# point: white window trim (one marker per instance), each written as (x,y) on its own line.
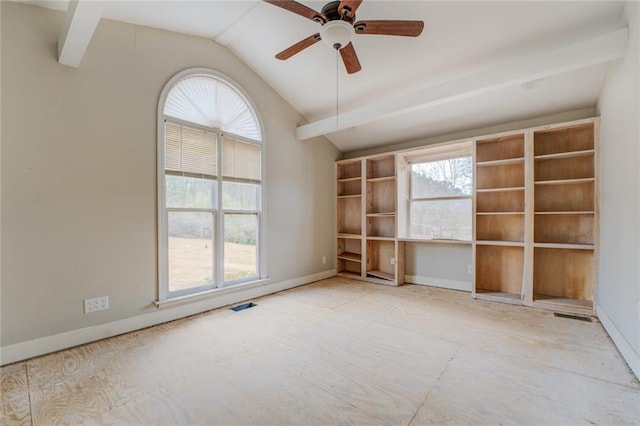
(163,294)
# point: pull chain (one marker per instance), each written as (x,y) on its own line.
(337,72)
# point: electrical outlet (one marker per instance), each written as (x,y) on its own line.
(324,260)
(392,260)
(96,304)
(470,269)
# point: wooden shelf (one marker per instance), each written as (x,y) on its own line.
(565,181)
(382,179)
(377,238)
(349,236)
(435,241)
(353,257)
(389,214)
(513,188)
(351,179)
(496,296)
(563,304)
(380,274)
(545,298)
(500,243)
(498,213)
(350,196)
(567,212)
(568,154)
(505,162)
(565,246)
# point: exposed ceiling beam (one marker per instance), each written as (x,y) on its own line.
(586,53)
(82,19)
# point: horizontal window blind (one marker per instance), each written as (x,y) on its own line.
(190,151)
(461,149)
(241,161)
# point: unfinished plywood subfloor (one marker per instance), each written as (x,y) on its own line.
(337,351)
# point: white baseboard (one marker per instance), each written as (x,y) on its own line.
(56,342)
(631,356)
(438,282)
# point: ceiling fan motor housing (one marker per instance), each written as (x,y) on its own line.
(330,11)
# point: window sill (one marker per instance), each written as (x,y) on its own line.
(418,240)
(209,293)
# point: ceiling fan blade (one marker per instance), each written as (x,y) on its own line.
(351,5)
(397,28)
(350,59)
(298,47)
(298,8)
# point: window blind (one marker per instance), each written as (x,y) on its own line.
(241,161)
(190,151)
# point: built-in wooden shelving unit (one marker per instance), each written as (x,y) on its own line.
(367,244)
(565,217)
(499,218)
(536,217)
(349,220)
(535,212)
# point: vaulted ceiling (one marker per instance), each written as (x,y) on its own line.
(475,64)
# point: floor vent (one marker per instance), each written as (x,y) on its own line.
(575,317)
(243,306)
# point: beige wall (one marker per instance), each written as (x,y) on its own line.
(619,106)
(79,178)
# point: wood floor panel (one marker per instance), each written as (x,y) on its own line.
(337,351)
(15,395)
(502,390)
(529,334)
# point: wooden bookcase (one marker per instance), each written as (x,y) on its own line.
(499,218)
(349,246)
(565,217)
(535,211)
(535,207)
(367,245)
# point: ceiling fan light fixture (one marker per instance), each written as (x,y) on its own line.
(337,34)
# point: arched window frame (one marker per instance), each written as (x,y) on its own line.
(162,211)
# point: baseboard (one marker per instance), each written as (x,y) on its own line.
(632,358)
(438,282)
(56,342)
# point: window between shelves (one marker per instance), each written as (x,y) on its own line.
(438,186)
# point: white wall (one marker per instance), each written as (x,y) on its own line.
(619,107)
(78,179)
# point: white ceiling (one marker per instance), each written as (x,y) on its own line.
(459,38)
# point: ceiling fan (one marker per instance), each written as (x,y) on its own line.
(338,20)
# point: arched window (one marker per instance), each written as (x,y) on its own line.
(210,193)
